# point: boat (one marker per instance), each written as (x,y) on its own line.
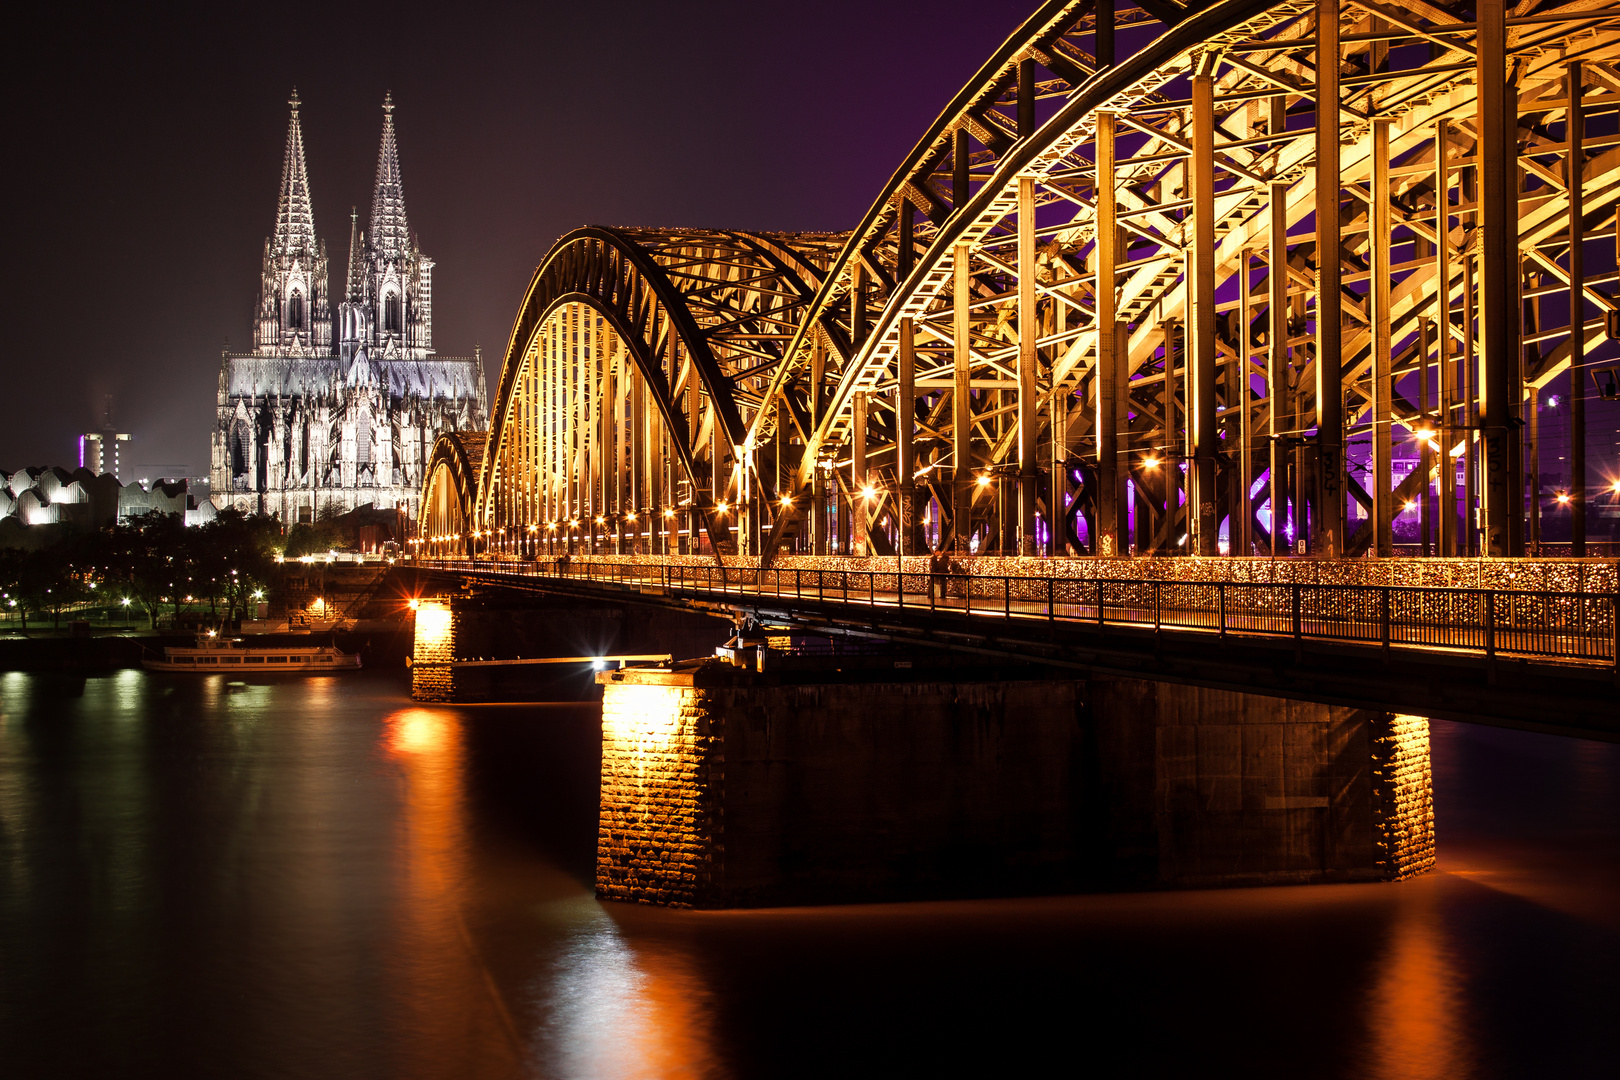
(216,655)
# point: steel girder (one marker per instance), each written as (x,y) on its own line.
(634,368)
(445,523)
(1004,325)
(1213,134)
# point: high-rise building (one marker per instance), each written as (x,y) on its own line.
(336,409)
(100,451)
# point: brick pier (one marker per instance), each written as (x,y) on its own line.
(724,788)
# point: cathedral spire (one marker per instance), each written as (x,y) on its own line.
(357,266)
(295,220)
(389,232)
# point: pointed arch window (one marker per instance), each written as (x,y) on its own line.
(295,311)
(391,313)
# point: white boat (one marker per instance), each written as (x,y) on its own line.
(217,655)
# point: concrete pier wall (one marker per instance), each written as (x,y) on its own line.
(723,788)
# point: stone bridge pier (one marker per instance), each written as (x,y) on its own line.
(726,787)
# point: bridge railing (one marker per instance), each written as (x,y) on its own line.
(1553,625)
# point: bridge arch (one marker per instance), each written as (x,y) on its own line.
(971,288)
(629,384)
(446,524)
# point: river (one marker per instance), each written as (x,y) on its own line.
(316,877)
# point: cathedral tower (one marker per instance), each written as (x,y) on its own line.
(294,314)
(398,277)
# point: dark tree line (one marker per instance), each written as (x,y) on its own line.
(153,560)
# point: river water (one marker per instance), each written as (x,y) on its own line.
(318,878)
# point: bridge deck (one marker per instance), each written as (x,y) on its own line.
(1563,626)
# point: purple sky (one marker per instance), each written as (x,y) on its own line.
(146,153)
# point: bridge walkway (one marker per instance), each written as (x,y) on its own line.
(1578,628)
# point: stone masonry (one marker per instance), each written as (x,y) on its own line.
(722,788)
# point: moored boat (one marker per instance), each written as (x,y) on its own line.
(216,655)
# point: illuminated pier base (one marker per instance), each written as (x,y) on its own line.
(724,788)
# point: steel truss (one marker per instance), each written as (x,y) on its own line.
(635,368)
(1007,344)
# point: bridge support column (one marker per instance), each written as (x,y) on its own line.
(722,788)
(435,643)
(1499,396)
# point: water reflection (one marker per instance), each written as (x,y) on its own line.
(1414,1020)
(620,1012)
(316,878)
(447,987)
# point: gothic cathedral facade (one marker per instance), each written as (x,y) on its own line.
(338,404)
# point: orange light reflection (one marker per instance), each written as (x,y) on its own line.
(1416,1014)
(626,1011)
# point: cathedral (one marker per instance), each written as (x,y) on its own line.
(339,403)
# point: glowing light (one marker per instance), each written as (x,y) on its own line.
(432,626)
(868,492)
(720,506)
(258,594)
(1150,462)
(124,601)
(630,516)
(1552,402)
(599,519)
(1423,433)
(1408,505)
(213,633)
(983,481)
(1563,496)
(669,513)
(787,500)
(418,731)
(415,604)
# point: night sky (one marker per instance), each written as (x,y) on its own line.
(146,148)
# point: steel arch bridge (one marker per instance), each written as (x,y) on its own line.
(1086,312)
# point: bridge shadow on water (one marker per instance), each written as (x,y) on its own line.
(532,777)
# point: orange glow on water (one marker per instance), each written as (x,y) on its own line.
(1415,1018)
(441,964)
(418,731)
(637,1010)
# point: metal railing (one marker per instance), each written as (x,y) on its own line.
(1552,625)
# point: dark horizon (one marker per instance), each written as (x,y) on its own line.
(150,151)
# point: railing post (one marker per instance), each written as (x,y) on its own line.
(1051,608)
(1220,589)
(1490,625)
(1383,593)
(1614,641)
(1100,623)
(1006,597)
(1299,630)
(1155,607)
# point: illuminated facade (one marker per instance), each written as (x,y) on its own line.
(340,400)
